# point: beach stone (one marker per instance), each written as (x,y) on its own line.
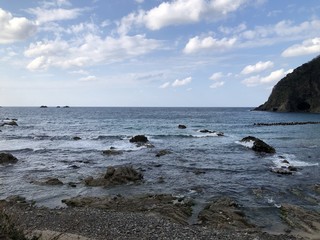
(181,126)
(116,176)
(7,158)
(259,145)
(139,139)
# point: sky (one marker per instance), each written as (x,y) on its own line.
(174,53)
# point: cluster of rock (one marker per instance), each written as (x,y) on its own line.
(116,176)
(220,134)
(285,168)
(9,122)
(284,123)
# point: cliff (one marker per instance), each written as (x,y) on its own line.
(299,91)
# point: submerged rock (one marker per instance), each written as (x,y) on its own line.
(259,145)
(162,153)
(111,152)
(7,158)
(116,176)
(53,182)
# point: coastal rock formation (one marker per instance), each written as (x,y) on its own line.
(139,139)
(6,158)
(116,176)
(258,145)
(299,91)
(178,209)
(223,213)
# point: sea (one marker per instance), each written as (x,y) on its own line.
(201,166)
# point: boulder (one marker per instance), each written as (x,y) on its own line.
(181,126)
(6,158)
(259,145)
(139,139)
(116,176)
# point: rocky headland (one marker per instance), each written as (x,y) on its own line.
(299,91)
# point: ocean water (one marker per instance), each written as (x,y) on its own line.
(201,165)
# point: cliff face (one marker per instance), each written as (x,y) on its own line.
(299,91)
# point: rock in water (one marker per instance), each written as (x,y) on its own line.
(139,139)
(259,145)
(6,158)
(299,91)
(180,126)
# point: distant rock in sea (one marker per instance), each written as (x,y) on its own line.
(299,91)
(43,106)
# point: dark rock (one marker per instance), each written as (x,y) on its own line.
(116,176)
(53,182)
(162,153)
(76,138)
(72,184)
(10,123)
(180,126)
(285,161)
(292,168)
(259,145)
(139,139)
(6,158)
(299,91)
(111,152)
(43,106)
(66,107)
(206,131)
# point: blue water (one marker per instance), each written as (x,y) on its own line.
(43,143)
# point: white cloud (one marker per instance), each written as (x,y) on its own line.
(89,50)
(14,29)
(179,12)
(182,82)
(217,84)
(197,44)
(216,76)
(57,14)
(271,78)
(258,67)
(309,46)
(165,85)
(88,78)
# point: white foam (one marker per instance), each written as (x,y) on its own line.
(281,161)
(248,144)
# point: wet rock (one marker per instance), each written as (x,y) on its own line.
(43,106)
(259,145)
(72,184)
(206,131)
(53,182)
(76,138)
(181,126)
(7,158)
(116,176)
(139,139)
(112,152)
(223,213)
(300,220)
(9,123)
(162,153)
(178,209)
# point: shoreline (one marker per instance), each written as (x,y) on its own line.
(123,218)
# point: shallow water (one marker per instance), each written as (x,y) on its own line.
(43,143)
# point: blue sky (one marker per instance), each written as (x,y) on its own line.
(206,53)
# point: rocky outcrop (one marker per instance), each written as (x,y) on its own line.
(220,134)
(223,213)
(115,176)
(299,91)
(259,145)
(139,139)
(178,209)
(181,126)
(7,158)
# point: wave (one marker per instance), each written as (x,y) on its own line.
(248,144)
(287,160)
